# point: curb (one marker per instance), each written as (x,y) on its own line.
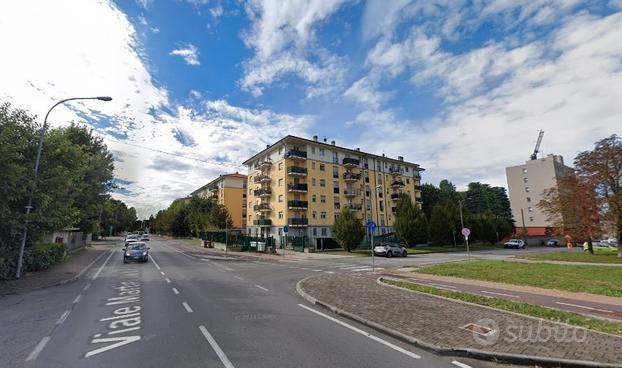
(458,352)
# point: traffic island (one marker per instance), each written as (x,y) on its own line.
(455,328)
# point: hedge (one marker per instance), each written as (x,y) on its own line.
(36,258)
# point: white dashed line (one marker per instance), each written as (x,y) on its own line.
(63,317)
(175,291)
(261,287)
(33,355)
(317,270)
(99,270)
(221,354)
(461,365)
(585,307)
(188,309)
(87,286)
(330,272)
(163,274)
(168,281)
(500,294)
(154,262)
(357,330)
(238,277)
(77,299)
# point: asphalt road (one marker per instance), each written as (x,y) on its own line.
(179,310)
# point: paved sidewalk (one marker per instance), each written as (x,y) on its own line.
(439,323)
(70,269)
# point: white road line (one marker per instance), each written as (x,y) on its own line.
(168,281)
(317,270)
(154,262)
(500,294)
(461,365)
(63,317)
(238,277)
(175,291)
(304,268)
(87,286)
(163,274)
(221,354)
(329,271)
(180,252)
(77,299)
(33,355)
(357,330)
(585,307)
(261,287)
(99,270)
(188,309)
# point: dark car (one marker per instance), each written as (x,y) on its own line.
(390,250)
(136,251)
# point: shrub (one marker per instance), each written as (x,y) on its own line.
(36,258)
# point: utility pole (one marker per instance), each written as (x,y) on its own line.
(522,215)
(226,236)
(461,220)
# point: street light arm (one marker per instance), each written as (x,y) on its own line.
(101,98)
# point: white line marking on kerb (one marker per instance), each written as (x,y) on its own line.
(357,330)
(102,266)
(442,285)
(261,287)
(461,365)
(168,280)
(63,317)
(33,355)
(154,262)
(175,291)
(500,294)
(77,299)
(188,309)
(221,354)
(585,307)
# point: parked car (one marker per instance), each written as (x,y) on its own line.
(515,243)
(390,250)
(144,237)
(553,243)
(136,251)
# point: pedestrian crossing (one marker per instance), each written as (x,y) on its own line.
(322,266)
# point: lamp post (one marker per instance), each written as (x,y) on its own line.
(36,174)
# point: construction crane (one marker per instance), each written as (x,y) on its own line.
(534,155)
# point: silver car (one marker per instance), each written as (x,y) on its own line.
(390,250)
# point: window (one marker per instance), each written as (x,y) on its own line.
(526,180)
(313,181)
(313,150)
(378,167)
(280,231)
(313,198)
(313,165)
(335,172)
(336,215)
(323,215)
(322,199)
(365,163)
(368,203)
(313,214)
(280,151)
(379,179)
(527,189)
(280,198)
(528,199)
(322,167)
(335,157)
(321,151)
(315,231)
(531,218)
(381,206)
(322,182)
(367,177)
(336,187)
(280,182)
(324,231)
(336,201)
(280,214)
(407,181)
(406,168)
(280,166)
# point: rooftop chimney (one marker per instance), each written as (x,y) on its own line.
(332,142)
(401,158)
(324,139)
(358,149)
(267,146)
(315,138)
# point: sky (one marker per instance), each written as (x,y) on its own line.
(198,86)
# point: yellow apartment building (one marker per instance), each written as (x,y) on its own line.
(230,191)
(305,183)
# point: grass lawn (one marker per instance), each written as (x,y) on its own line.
(601,255)
(590,279)
(522,308)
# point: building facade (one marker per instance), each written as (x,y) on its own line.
(526,184)
(305,183)
(229,190)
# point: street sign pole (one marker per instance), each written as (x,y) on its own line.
(466,232)
(371,226)
(285,230)
(468,252)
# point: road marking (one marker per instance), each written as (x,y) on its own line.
(500,294)
(317,270)
(63,317)
(168,281)
(163,274)
(188,309)
(87,286)
(461,365)
(367,269)
(330,271)
(175,291)
(154,262)
(304,268)
(238,277)
(585,307)
(261,287)
(102,266)
(33,355)
(221,354)
(442,285)
(357,330)
(77,299)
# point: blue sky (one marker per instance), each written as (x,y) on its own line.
(461,87)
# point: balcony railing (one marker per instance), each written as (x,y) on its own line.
(261,178)
(262,222)
(353,206)
(418,200)
(350,176)
(397,184)
(297,170)
(263,164)
(393,209)
(263,207)
(298,221)
(350,192)
(396,196)
(418,187)
(349,161)
(417,175)
(295,204)
(293,153)
(264,192)
(395,170)
(297,187)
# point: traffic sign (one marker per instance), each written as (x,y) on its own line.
(466,232)
(371,225)
(285,229)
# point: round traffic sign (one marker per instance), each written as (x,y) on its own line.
(466,232)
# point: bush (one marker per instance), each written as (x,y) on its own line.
(36,258)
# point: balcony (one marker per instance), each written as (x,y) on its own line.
(297,171)
(418,200)
(417,175)
(298,154)
(262,178)
(353,206)
(418,187)
(263,207)
(395,170)
(351,162)
(262,222)
(264,192)
(350,193)
(350,177)
(297,205)
(396,196)
(393,209)
(297,188)
(397,184)
(263,164)
(298,222)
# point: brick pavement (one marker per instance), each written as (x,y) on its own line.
(439,321)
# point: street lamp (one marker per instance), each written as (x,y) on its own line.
(36,173)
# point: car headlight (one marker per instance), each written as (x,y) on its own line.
(144,253)
(127,254)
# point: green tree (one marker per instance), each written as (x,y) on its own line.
(445,221)
(430,196)
(410,225)
(348,230)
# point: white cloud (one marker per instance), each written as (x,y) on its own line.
(365,92)
(217,11)
(189,53)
